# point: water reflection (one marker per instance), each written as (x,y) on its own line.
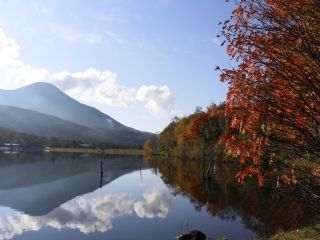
(157,203)
(93,212)
(27,182)
(81,197)
(69,192)
(85,214)
(262,210)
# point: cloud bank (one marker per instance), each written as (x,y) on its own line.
(91,86)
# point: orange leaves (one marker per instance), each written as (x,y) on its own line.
(276,82)
(300,121)
(230,49)
(198,125)
(251,171)
(290,180)
(316,172)
(223,77)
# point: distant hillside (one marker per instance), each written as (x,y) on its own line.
(47,98)
(32,122)
(32,142)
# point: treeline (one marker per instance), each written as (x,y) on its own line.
(35,142)
(193,136)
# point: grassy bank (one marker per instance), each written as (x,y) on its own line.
(97,151)
(307,233)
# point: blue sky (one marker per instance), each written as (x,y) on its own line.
(140,61)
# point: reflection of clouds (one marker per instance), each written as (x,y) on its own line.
(16,224)
(157,203)
(90,213)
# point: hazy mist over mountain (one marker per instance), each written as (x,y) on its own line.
(47,98)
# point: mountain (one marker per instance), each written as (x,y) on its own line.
(32,122)
(43,109)
(47,98)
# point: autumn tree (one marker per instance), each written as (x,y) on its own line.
(207,127)
(151,145)
(274,90)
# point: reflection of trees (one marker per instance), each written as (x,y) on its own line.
(263,210)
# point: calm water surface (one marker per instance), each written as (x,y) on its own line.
(86,197)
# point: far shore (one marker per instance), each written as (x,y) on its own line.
(138,152)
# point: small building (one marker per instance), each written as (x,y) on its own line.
(86,145)
(13,147)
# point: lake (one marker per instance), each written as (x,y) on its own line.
(65,196)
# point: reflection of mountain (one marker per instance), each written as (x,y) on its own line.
(43,185)
(89,213)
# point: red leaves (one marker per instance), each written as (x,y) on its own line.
(230,49)
(276,83)
(251,171)
(223,77)
(197,127)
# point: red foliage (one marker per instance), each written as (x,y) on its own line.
(197,129)
(274,92)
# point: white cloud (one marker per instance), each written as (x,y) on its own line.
(158,100)
(73,35)
(157,203)
(70,34)
(95,86)
(114,15)
(117,15)
(44,8)
(90,86)
(216,41)
(93,38)
(15,72)
(115,36)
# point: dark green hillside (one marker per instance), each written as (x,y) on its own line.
(32,122)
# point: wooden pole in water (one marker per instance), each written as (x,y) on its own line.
(101,173)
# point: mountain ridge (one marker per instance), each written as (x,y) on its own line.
(47,98)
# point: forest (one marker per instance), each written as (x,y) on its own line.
(269,125)
(31,142)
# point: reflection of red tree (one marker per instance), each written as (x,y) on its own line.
(213,209)
(224,197)
(190,183)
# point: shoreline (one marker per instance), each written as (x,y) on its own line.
(137,152)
